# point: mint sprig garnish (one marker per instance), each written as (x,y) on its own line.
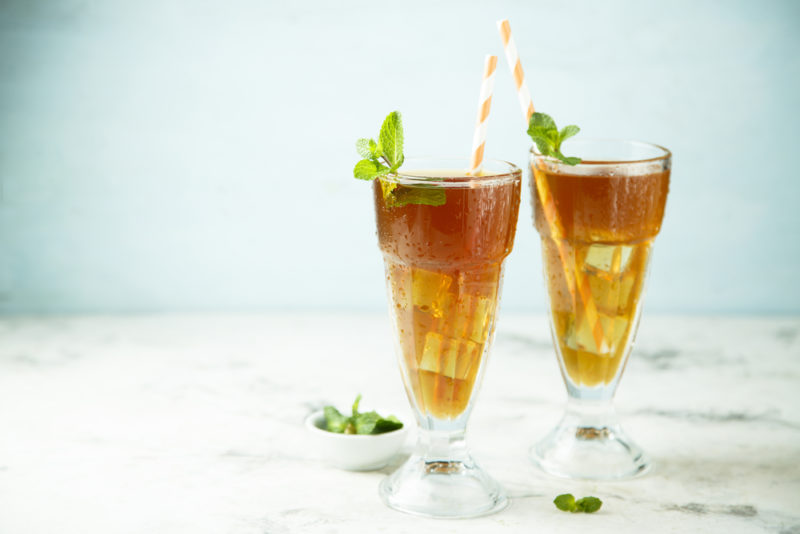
(359,423)
(544,132)
(385,156)
(567,503)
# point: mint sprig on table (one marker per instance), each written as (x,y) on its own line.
(385,156)
(544,132)
(567,503)
(359,423)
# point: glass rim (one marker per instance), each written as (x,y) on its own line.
(666,154)
(509,171)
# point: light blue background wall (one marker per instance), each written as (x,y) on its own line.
(197,155)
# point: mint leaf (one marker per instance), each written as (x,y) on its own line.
(391,138)
(565,502)
(372,423)
(363,148)
(542,121)
(568,131)
(588,504)
(544,144)
(543,131)
(427,195)
(396,166)
(355,405)
(368,169)
(365,422)
(359,423)
(335,421)
(387,425)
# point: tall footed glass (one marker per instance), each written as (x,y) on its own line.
(597,221)
(444,236)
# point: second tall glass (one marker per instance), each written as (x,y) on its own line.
(444,236)
(598,221)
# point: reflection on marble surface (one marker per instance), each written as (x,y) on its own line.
(194,424)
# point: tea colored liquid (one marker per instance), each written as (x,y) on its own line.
(609,224)
(443,268)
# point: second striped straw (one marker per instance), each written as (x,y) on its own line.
(578,286)
(515,65)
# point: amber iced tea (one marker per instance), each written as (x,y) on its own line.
(608,221)
(444,269)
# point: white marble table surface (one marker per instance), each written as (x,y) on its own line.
(193,424)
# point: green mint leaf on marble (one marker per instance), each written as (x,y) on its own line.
(358,422)
(588,505)
(565,502)
(544,132)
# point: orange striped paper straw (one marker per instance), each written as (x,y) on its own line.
(515,65)
(583,291)
(484,105)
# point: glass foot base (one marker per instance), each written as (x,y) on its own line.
(590,453)
(442,489)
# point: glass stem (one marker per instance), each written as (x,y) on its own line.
(440,446)
(593,418)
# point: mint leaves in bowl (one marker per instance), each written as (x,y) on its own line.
(361,441)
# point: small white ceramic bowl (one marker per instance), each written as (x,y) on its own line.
(354,452)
